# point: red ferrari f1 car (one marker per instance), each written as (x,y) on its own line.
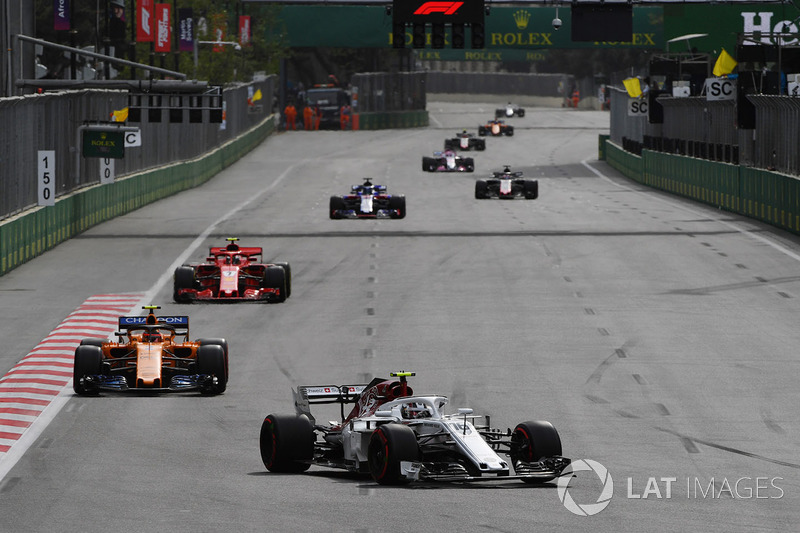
(496,128)
(148,357)
(398,437)
(232,274)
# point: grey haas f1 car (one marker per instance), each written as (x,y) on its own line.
(509,111)
(507,185)
(465,141)
(447,161)
(368,201)
(399,437)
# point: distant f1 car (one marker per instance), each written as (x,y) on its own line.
(447,161)
(232,274)
(496,128)
(507,184)
(368,201)
(509,111)
(399,437)
(465,141)
(147,357)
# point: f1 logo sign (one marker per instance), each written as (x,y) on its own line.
(431,11)
(445,8)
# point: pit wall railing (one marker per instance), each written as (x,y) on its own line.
(699,153)
(176,163)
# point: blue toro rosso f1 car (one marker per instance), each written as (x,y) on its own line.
(368,201)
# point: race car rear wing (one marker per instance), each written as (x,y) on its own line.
(243,250)
(180,323)
(305,395)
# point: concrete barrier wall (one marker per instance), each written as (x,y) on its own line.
(393,119)
(759,194)
(37,230)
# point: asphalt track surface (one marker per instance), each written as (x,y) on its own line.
(659,336)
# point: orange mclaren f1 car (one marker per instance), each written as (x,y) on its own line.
(148,357)
(233,274)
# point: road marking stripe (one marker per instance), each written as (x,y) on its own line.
(40,384)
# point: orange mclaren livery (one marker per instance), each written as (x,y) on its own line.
(152,353)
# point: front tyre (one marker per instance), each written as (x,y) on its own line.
(183,279)
(288,269)
(337,205)
(531,189)
(398,204)
(211,362)
(275,278)
(88,362)
(389,445)
(532,441)
(520,112)
(481,189)
(286,442)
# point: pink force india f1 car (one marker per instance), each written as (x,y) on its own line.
(233,274)
(399,437)
(447,161)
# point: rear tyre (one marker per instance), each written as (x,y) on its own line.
(481,188)
(88,362)
(211,362)
(336,204)
(482,131)
(275,278)
(288,269)
(531,441)
(531,189)
(388,446)
(183,279)
(510,132)
(398,203)
(480,144)
(499,113)
(286,442)
(449,144)
(520,112)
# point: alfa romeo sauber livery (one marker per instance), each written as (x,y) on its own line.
(368,201)
(465,141)
(496,128)
(507,185)
(148,356)
(398,437)
(233,273)
(447,161)
(509,111)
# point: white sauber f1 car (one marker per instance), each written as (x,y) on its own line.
(509,111)
(399,437)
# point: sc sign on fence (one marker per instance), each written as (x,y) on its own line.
(720,89)
(637,107)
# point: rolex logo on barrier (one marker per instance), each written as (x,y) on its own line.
(521,18)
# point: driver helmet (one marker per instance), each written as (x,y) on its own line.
(152,336)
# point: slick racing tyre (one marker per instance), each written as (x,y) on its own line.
(93,342)
(275,278)
(286,443)
(532,441)
(388,446)
(509,131)
(337,204)
(88,362)
(480,144)
(520,112)
(469,164)
(211,362)
(217,342)
(183,279)
(450,144)
(428,164)
(531,189)
(499,113)
(482,131)
(288,269)
(481,189)
(398,203)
